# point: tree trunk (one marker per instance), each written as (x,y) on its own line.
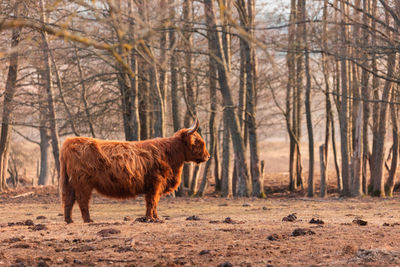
(356,183)
(211,125)
(143,82)
(134,81)
(55,140)
(247,22)
(380,121)
(335,158)
(324,149)
(323,168)
(365,96)
(44,171)
(226,176)
(158,103)
(189,77)
(378,146)
(389,186)
(290,91)
(8,106)
(307,101)
(343,115)
(223,79)
(298,91)
(174,75)
(84,92)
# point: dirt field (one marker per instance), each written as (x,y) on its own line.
(255,234)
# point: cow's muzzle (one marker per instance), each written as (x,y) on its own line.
(204,159)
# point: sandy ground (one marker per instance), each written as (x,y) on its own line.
(255,234)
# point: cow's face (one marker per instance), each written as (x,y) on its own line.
(197,151)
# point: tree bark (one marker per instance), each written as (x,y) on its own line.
(323,168)
(226,177)
(389,186)
(174,75)
(324,149)
(84,92)
(134,81)
(8,106)
(378,146)
(365,96)
(307,100)
(379,133)
(223,79)
(55,140)
(211,124)
(343,115)
(290,88)
(247,20)
(356,185)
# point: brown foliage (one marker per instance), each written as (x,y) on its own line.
(126,169)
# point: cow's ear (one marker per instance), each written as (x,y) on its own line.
(186,137)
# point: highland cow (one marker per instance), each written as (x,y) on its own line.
(126,169)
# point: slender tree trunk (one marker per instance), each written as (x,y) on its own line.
(343,115)
(84,92)
(189,77)
(55,140)
(8,106)
(389,186)
(247,20)
(307,101)
(290,91)
(375,92)
(328,109)
(223,79)
(356,185)
(378,146)
(158,103)
(44,171)
(211,125)
(174,75)
(335,158)
(143,82)
(298,91)
(226,177)
(134,81)
(365,96)
(174,82)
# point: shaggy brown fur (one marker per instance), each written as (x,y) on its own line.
(126,169)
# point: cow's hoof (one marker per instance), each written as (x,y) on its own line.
(69,221)
(88,221)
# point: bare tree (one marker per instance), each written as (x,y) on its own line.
(8,107)
(223,79)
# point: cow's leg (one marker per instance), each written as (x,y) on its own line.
(156,199)
(151,205)
(69,198)
(83,197)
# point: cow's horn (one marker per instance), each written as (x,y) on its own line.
(195,127)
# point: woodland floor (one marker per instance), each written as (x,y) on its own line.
(255,234)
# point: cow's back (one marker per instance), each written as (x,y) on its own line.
(114,168)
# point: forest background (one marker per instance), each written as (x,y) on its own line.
(323,76)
